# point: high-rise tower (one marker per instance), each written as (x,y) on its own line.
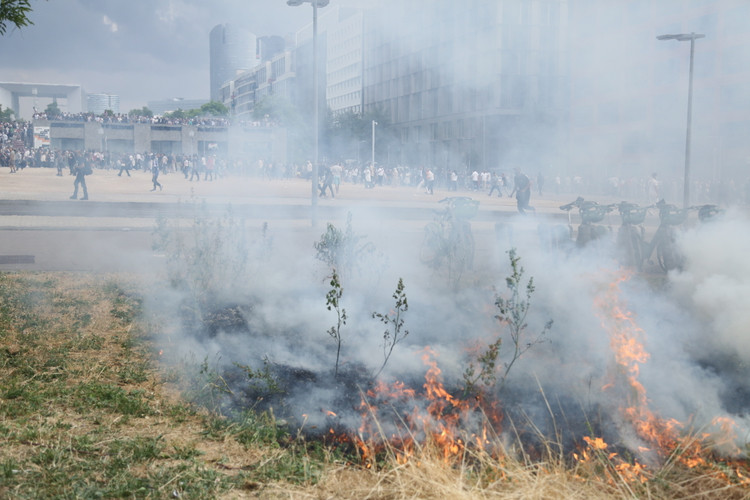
(232,50)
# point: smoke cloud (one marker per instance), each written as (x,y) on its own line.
(690,324)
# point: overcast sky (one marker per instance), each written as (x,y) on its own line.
(141,50)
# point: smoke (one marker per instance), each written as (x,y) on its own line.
(690,324)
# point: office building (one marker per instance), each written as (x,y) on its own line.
(232,51)
(99,103)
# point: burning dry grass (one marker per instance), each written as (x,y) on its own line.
(85,413)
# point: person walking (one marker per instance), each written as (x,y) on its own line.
(327,182)
(429,178)
(81,170)
(495,186)
(194,166)
(155,172)
(125,165)
(522,190)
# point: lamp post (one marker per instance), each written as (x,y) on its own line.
(684,37)
(316,125)
(373,143)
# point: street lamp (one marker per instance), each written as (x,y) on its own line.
(373,142)
(316,126)
(684,37)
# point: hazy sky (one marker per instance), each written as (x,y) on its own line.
(141,50)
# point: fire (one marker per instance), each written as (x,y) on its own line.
(433,416)
(662,436)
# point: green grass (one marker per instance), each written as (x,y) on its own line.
(81,411)
(86,411)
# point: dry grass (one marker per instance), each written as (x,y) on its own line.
(84,412)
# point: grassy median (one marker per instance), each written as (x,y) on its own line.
(87,411)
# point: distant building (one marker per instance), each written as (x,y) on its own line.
(170,105)
(232,51)
(99,103)
(22,98)
(478,85)
(268,47)
(227,141)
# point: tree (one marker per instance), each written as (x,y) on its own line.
(280,110)
(52,109)
(349,134)
(214,108)
(14,12)
(6,115)
(144,111)
(178,114)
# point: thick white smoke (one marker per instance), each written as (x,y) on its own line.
(691,324)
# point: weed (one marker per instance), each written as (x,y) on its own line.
(207,388)
(512,312)
(345,251)
(262,380)
(333,302)
(254,428)
(134,372)
(393,320)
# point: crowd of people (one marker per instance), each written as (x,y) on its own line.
(17,153)
(117,118)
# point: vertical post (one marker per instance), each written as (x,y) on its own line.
(373,143)
(314,180)
(686,194)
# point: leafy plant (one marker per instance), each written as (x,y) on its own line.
(393,320)
(333,302)
(210,262)
(512,312)
(15,12)
(262,379)
(344,250)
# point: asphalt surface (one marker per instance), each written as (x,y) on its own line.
(112,231)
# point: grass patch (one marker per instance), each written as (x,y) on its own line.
(86,412)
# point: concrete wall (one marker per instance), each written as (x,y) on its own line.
(268,143)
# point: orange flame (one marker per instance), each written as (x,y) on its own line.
(662,435)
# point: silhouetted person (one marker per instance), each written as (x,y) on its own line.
(327,182)
(522,190)
(80,171)
(155,172)
(124,166)
(496,186)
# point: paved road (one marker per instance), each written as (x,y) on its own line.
(42,229)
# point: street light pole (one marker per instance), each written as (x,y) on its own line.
(316,125)
(373,143)
(683,37)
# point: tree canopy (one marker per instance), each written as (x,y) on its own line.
(144,111)
(52,109)
(14,12)
(6,115)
